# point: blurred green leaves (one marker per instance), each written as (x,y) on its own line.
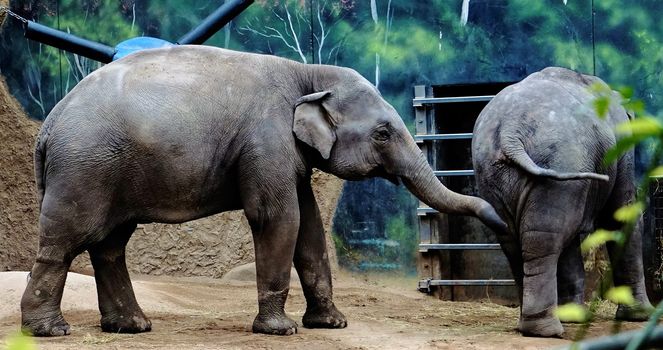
(620,295)
(18,341)
(629,213)
(571,313)
(640,127)
(598,238)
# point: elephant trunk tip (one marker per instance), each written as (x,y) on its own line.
(490,218)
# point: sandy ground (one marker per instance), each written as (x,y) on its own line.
(205,313)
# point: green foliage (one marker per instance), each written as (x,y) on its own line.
(571,313)
(635,131)
(656,172)
(18,341)
(630,213)
(620,295)
(598,238)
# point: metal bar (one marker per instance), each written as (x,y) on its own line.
(454,172)
(215,21)
(471,283)
(418,101)
(460,246)
(425,210)
(69,42)
(458,136)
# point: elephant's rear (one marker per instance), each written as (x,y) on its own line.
(548,120)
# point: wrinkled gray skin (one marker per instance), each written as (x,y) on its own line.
(537,152)
(176,134)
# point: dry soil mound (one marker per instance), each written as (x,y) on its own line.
(207,247)
(18,201)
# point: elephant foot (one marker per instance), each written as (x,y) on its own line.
(55,327)
(278,325)
(136,323)
(638,313)
(324,318)
(549,327)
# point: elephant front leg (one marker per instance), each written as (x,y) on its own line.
(312,264)
(274,237)
(540,256)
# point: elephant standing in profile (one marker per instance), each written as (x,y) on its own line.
(538,151)
(175,134)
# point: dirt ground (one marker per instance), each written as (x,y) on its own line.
(204,313)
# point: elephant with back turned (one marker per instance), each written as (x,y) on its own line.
(171,135)
(538,151)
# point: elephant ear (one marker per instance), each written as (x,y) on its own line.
(312,124)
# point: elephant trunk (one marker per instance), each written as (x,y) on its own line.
(422,182)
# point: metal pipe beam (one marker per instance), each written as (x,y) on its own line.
(215,21)
(69,42)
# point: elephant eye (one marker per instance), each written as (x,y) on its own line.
(382,133)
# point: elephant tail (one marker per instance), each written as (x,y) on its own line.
(519,156)
(39,159)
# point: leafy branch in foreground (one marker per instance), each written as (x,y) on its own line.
(642,128)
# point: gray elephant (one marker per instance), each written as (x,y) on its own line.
(538,152)
(176,134)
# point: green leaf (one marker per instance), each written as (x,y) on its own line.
(643,126)
(637,107)
(626,92)
(19,341)
(657,172)
(629,213)
(620,295)
(571,313)
(622,146)
(597,238)
(601,105)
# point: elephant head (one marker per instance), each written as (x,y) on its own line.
(359,135)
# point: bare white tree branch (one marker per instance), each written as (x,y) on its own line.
(465,12)
(290,34)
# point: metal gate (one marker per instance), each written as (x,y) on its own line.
(452,248)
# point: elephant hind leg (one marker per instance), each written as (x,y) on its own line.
(119,309)
(541,252)
(40,305)
(571,275)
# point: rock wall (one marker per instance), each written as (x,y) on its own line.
(205,247)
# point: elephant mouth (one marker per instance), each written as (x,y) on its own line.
(394,179)
(381,172)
